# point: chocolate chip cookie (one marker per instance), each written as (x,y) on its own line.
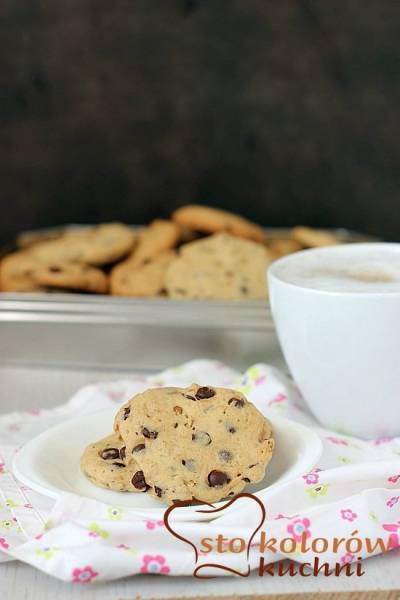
(146,280)
(101,245)
(17,273)
(313,238)
(202,443)
(213,220)
(219,267)
(71,276)
(103,462)
(159,236)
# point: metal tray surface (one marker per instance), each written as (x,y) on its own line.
(105,332)
(121,333)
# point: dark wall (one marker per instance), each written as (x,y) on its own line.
(285,110)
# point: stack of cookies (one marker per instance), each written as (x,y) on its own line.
(73,262)
(200,253)
(198,443)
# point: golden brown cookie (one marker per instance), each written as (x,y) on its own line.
(159,236)
(71,276)
(62,250)
(103,462)
(219,267)
(16,273)
(213,220)
(283,247)
(108,243)
(95,246)
(26,239)
(148,279)
(200,442)
(314,238)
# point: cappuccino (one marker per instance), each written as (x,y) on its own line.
(336,312)
(362,268)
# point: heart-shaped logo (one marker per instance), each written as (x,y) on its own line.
(224,547)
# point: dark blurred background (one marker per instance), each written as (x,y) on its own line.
(286,111)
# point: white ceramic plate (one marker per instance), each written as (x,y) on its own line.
(49,463)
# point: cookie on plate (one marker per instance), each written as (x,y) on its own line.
(219,267)
(159,236)
(213,220)
(203,443)
(17,273)
(313,238)
(147,280)
(71,276)
(103,462)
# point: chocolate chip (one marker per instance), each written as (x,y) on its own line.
(237,402)
(148,433)
(138,448)
(55,269)
(127,412)
(201,437)
(190,397)
(251,466)
(244,289)
(122,453)
(230,428)
(109,453)
(225,455)
(246,479)
(217,478)
(204,392)
(119,465)
(176,425)
(139,482)
(178,409)
(158,491)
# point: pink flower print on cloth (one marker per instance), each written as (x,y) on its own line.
(3,544)
(279,398)
(347,558)
(312,477)
(382,440)
(2,467)
(85,575)
(155,565)
(338,441)
(394,538)
(154,524)
(392,501)
(34,412)
(348,515)
(392,479)
(299,528)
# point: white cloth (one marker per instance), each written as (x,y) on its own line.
(353,493)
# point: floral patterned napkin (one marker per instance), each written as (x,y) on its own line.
(352,495)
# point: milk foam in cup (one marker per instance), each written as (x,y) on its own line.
(337,315)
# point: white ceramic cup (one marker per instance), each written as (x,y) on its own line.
(342,348)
